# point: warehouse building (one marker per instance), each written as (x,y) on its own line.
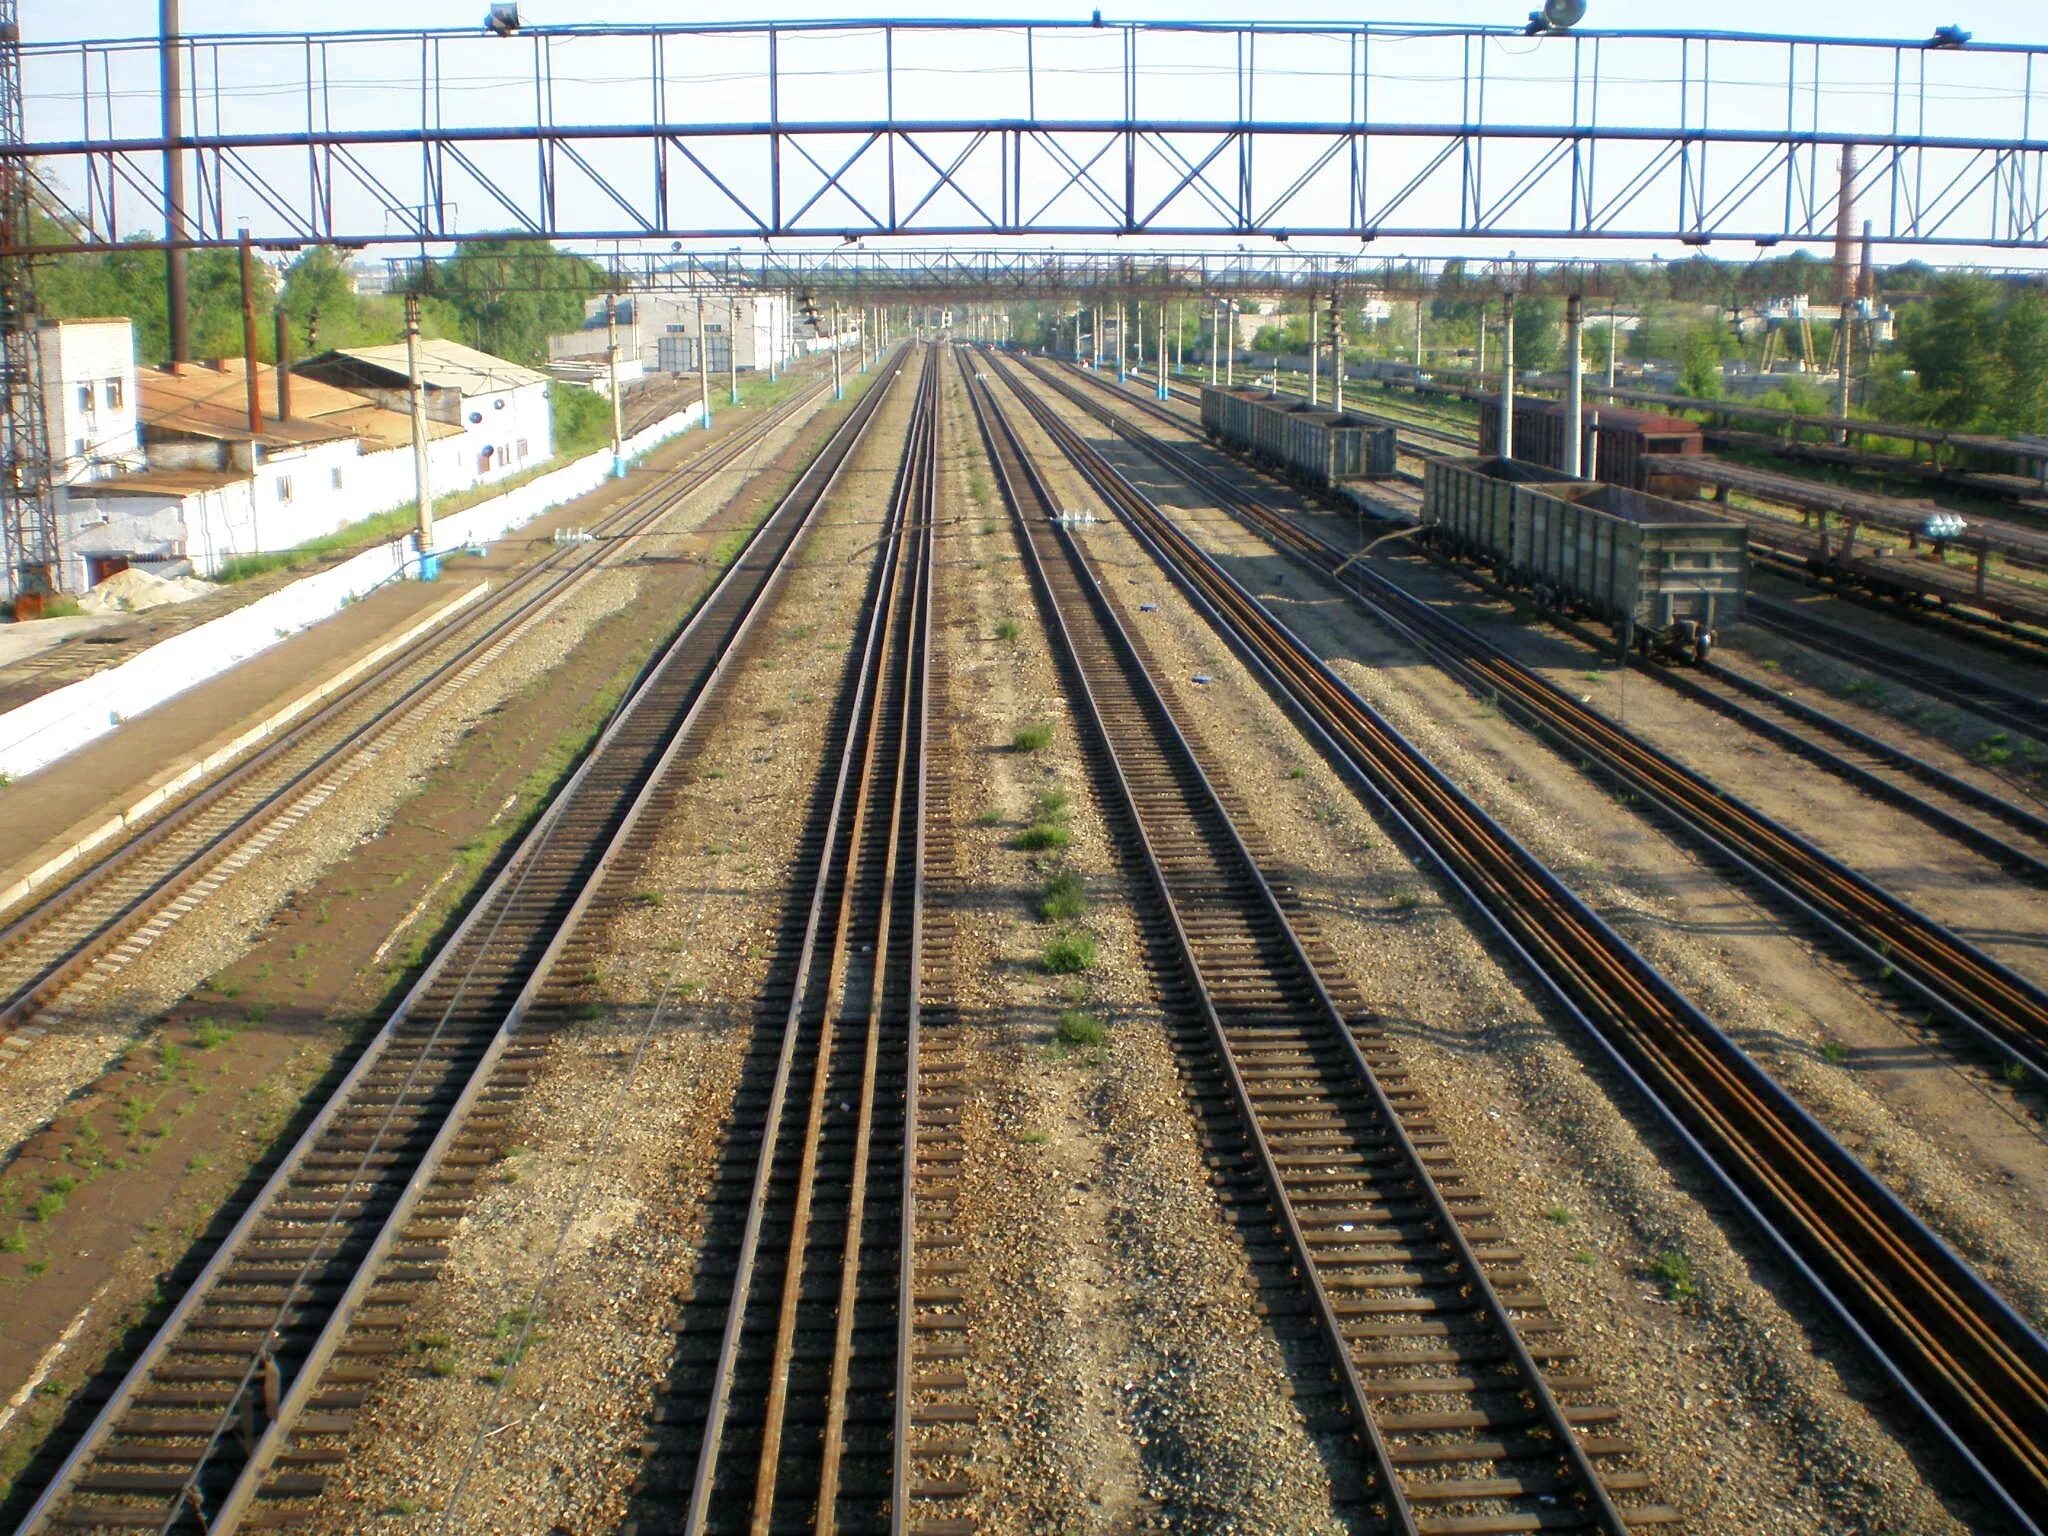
(660,332)
(500,408)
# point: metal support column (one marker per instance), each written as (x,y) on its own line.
(1574,386)
(251,375)
(611,355)
(176,228)
(1215,338)
(284,363)
(1337,351)
(703,366)
(838,383)
(1418,333)
(1159,354)
(1315,354)
(732,348)
(1845,328)
(1610,346)
(1507,376)
(417,396)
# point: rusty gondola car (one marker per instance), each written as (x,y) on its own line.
(1311,444)
(1664,574)
(1618,448)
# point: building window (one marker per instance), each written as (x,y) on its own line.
(337,477)
(678,330)
(113,394)
(713,329)
(85,397)
(284,487)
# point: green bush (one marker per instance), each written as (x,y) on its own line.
(1042,836)
(1674,1270)
(1063,899)
(1006,629)
(1078,1029)
(1069,953)
(1032,738)
(582,419)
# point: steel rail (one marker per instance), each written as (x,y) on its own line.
(2015,860)
(1583,1490)
(890,671)
(455,1025)
(337,736)
(1975,1369)
(2009,707)
(1941,970)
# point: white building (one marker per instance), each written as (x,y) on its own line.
(500,407)
(212,488)
(659,331)
(88,369)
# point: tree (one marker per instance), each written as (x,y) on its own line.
(1539,346)
(1699,369)
(130,281)
(326,311)
(506,295)
(1948,342)
(2023,354)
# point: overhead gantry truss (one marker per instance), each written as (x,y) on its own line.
(970,129)
(1018,273)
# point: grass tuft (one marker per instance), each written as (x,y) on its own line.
(1031,738)
(1069,953)
(1673,1270)
(1063,898)
(1042,836)
(1006,629)
(1080,1029)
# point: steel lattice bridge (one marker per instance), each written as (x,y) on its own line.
(1034,275)
(968,129)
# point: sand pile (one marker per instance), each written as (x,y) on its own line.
(134,591)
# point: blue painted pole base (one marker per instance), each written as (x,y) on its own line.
(430,567)
(618,466)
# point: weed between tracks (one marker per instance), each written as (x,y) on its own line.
(1673,1270)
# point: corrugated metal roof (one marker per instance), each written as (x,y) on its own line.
(445,365)
(160,482)
(212,402)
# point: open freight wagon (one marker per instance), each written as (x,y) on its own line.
(1618,447)
(1313,445)
(1666,575)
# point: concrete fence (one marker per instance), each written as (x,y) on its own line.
(45,729)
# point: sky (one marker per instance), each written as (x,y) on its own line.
(1531,81)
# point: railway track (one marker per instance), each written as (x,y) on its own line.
(1470,1409)
(817,1385)
(108,914)
(239,1408)
(1974,1370)
(2011,708)
(1966,987)
(1860,759)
